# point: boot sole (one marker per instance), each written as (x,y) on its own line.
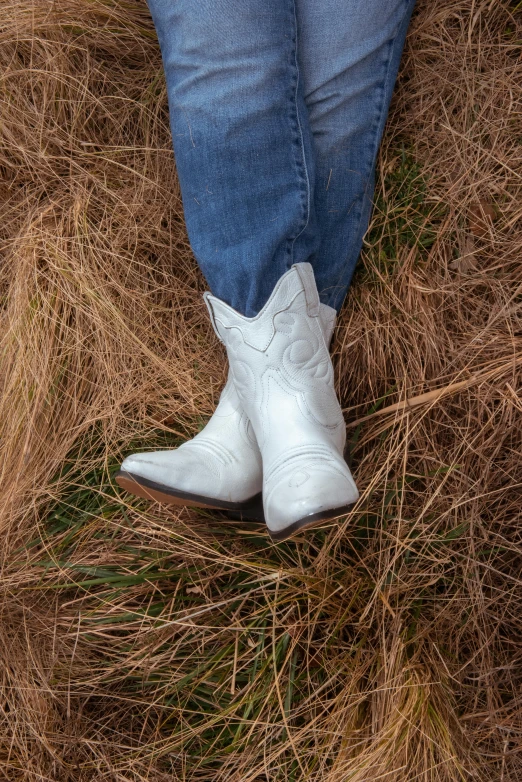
(251,510)
(307,522)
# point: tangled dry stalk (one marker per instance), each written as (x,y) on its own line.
(138,643)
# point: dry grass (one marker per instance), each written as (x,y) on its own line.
(138,643)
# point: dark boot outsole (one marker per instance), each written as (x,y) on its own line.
(250,510)
(313,520)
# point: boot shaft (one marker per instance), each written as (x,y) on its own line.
(282,368)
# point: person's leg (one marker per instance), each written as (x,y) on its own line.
(243,149)
(247,83)
(242,140)
(242,132)
(349,54)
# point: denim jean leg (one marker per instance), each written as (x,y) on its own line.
(349,57)
(242,141)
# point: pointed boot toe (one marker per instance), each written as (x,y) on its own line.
(220,468)
(306,495)
(182,469)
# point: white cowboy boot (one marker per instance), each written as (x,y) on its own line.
(283,375)
(219,468)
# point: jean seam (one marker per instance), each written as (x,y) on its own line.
(374,146)
(300,144)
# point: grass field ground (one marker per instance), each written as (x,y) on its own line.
(144,643)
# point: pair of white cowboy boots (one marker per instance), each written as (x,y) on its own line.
(274,447)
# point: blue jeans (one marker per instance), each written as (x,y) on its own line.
(277,110)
